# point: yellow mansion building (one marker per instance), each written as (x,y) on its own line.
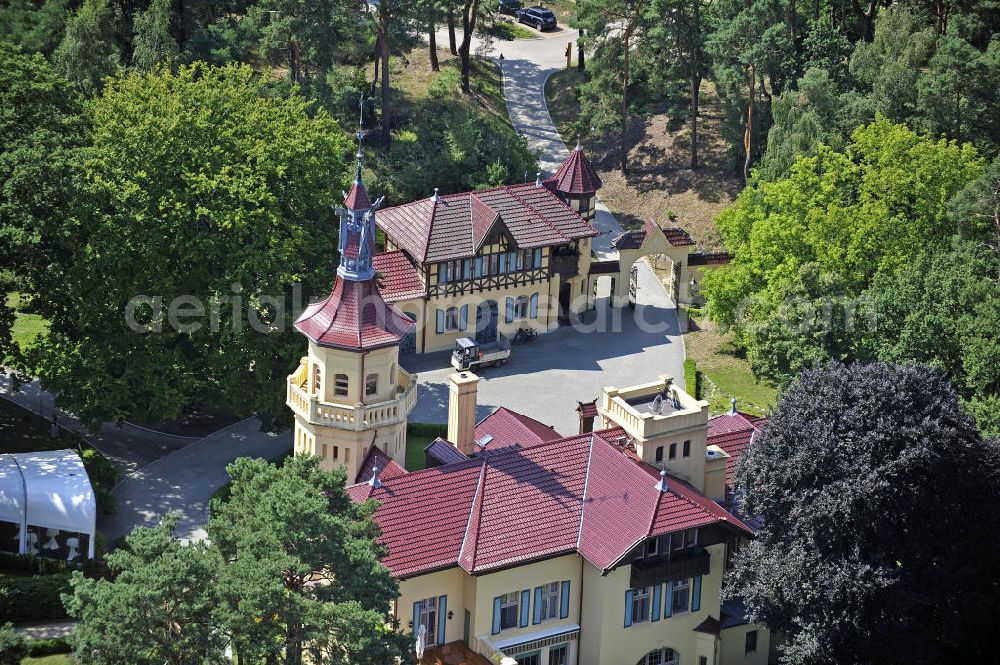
(517,544)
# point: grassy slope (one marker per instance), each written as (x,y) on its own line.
(59,659)
(727,372)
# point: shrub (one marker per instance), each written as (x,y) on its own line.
(39,648)
(12,646)
(24,599)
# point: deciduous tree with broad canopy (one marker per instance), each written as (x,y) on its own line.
(198,185)
(877,498)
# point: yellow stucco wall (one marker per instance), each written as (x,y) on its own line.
(605,639)
(733,644)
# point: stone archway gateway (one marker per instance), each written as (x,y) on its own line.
(672,243)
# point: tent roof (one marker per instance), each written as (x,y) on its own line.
(52,486)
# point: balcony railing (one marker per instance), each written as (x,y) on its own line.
(359,416)
(678,565)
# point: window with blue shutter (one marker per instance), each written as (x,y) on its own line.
(416,616)
(463,318)
(510,310)
(668,602)
(696,595)
(441,618)
(503,263)
(533,306)
(496,616)
(440,321)
(564,600)
(442,273)
(628,608)
(538,258)
(655,612)
(537,615)
(525,606)
(467,269)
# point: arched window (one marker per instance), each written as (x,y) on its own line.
(316,377)
(371,385)
(340,385)
(660,657)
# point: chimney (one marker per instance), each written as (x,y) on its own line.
(587,412)
(462,389)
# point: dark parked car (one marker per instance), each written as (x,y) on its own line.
(510,6)
(539,17)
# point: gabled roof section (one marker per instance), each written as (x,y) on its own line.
(444,452)
(635,239)
(576,175)
(510,428)
(733,432)
(357,198)
(618,508)
(523,503)
(387,467)
(354,316)
(455,225)
(400,279)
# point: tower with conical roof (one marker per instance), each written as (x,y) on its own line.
(576,182)
(349,392)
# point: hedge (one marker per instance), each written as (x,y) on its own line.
(427,429)
(26,599)
(39,648)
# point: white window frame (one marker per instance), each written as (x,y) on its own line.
(679,587)
(508,601)
(452,319)
(551,597)
(521,304)
(428,608)
(642,598)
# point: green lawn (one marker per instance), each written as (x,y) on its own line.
(58,659)
(507,30)
(726,372)
(27,325)
(418,435)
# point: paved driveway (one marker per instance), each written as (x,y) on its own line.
(545,379)
(184,481)
(527,64)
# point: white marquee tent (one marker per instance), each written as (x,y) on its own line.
(47,490)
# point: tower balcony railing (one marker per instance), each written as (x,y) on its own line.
(355,417)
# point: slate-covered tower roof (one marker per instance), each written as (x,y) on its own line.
(354,316)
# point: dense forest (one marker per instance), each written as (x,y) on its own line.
(868,135)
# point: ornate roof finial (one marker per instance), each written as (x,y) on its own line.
(360,135)
(662,485)
(538,179)
(436,197)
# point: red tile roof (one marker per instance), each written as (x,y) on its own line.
(576,175)
(387,467)
(509,428)
(354,316)
(455,225)
(524,503)
(709,258)
(675,235)
(400,279)
(733,433)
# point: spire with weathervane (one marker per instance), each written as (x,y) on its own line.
(357,223)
